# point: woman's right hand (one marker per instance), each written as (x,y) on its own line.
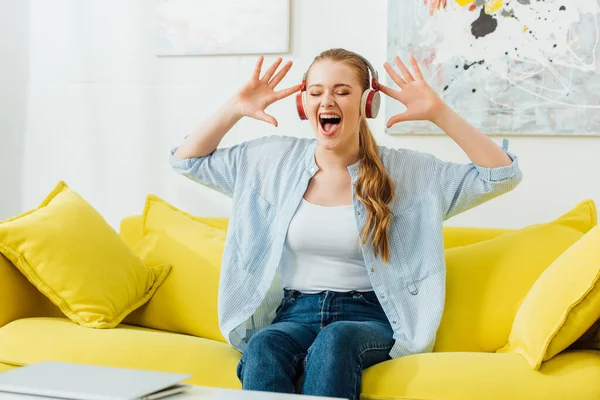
(259,93)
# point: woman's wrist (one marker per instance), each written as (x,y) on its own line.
(442,115)
(232,109)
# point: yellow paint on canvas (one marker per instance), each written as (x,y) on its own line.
(463,3)
(491,6)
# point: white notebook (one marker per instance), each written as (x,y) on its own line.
(88,382)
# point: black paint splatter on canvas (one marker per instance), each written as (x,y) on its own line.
(484,25)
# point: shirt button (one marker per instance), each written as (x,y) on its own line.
(372,269)
(383,296)
(394,322)
(358,213)
(312,170)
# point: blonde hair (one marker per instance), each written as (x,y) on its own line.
(374,187)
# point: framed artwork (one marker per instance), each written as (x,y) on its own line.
(510,67)
(213,27)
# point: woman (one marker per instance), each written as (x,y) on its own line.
(348,233)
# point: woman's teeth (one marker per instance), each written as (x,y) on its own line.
(329,122)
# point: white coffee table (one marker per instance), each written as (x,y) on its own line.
(206,393)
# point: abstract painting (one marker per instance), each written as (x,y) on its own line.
(203,27)
(527,67)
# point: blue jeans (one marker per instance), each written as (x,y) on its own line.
(329,337)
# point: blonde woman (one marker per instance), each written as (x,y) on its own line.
(334,258)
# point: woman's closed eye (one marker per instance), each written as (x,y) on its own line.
(338,93)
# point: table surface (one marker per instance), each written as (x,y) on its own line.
(204,393)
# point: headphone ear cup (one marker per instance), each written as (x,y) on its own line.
(363,102)
(301,105)
(370,103)
(373,104)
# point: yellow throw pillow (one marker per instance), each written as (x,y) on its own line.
(487,281)
(187,302)
(562,304)
(70,254)
(161,217)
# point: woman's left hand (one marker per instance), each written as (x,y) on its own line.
(420,100)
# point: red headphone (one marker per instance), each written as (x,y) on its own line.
(369,103)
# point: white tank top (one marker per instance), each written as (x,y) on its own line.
(322,251)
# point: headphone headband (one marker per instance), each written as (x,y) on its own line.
(373,75)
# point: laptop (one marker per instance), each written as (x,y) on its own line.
(72,381)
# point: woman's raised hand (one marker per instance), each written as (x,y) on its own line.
(420,100)
(259,93)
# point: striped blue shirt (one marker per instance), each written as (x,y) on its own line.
(267,178)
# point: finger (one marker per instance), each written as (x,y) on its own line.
(416,68)
(269,74)
(394,75)
(282,72)
(282,94)
(257,68)
(405,72)
(431,7)
(390,92)
(266,117)
(405,116)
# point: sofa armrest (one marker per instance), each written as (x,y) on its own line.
(19,298)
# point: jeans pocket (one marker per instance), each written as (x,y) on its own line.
(369,298)
(283,305)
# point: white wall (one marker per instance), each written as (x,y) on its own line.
(105,110)
(14,54)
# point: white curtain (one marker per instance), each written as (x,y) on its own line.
(103,110)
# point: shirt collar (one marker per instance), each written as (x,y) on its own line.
(311,164)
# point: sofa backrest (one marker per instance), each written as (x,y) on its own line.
(454,236)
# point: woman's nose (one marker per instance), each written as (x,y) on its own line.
(327,101)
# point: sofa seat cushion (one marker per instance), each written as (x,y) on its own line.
(31,340)
(439,376)
(484,376)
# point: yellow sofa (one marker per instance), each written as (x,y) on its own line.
(32,329)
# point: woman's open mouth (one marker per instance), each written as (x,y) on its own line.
(329,124)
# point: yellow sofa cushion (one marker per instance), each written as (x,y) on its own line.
(487,281)
(163,218)
(70,254)
(562,304)
(456,236)
(440,376)
(131,226)
(188,300)
(31,340)
(483,376)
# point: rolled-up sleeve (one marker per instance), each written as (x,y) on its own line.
(464,186)
(217,170)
